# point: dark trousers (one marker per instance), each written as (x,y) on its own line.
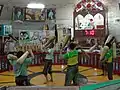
(104,67)
(22,81)
(70,75)
(8,65)
(110,71)
(47,67)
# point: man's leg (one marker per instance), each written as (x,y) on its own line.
(75,73)
(45,71)
(110,71)
(26,81)
(51,77)
(103,69)
(50,70)
(80,79)
(19,81)
(70,74)
(68,79)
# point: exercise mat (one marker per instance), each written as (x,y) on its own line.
(109,85)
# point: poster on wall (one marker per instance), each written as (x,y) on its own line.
(51,14)
(5,30)
(18,13)
(34,36)
(24,36)
(48,33)
(35,14)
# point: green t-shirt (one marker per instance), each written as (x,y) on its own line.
(50,55)
(72,57)
(109,55)
(20,69)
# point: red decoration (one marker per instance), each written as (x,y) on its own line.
(100,26)
(91,20)
(93,9)
(88,0)
(88,5)
(83,1)
(78,5)
(90,32)
(86,32)
(99,4)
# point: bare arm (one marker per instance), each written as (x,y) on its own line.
(81,50)
(86,54)
(93,47)
(23,57)
(114,50)
(10,56)
(31,53)
(103,52)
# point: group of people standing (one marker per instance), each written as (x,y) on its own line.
(21,60)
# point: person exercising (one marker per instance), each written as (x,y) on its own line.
(20,64)
(108,55)
(48,62)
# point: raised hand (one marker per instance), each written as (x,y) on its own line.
(30,50)
(96,42)
(31,53)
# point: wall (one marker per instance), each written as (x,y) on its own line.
(65,15)
(113,18)
(113,15)
(64,18)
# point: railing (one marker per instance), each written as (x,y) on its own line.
(83,61)
(3,63)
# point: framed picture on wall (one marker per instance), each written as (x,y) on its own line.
(36,36)
(35,14)
(1,8)
(18,13)
(5,30)
(51,14)
(24,36)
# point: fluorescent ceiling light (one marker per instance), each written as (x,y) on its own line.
(35,5)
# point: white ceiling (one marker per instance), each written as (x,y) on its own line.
(46,2)
(8,5)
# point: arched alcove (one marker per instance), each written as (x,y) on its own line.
(89,21)
(79,22)
(99,20)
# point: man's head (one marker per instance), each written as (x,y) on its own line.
(19,54)
(72,46)
(11,53)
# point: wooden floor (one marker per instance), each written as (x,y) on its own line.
(7,78)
